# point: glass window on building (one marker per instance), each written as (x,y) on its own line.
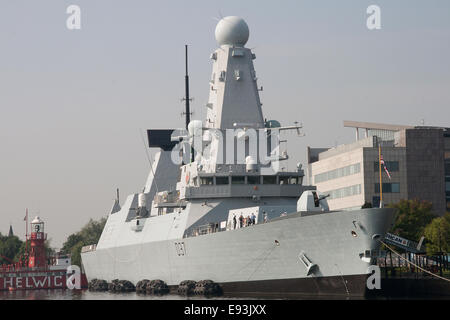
(375,202)
(344,192)
(388,187)
(238,180)
(337,173)
(447,190)
(395,187)
(222,180)
(392,166)
(385,135)
(447,187)
(269,179)
(447,167)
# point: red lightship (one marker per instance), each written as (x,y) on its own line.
(36,270)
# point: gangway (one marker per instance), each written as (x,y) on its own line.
(405,244)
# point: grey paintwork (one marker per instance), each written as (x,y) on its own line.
(248,253)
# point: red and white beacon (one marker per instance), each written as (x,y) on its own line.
(37,257)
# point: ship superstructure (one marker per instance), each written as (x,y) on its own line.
(218,205)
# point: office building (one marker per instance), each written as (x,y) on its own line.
(417,159)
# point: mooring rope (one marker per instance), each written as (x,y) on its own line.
(267,253)
(343,280)
(418,267)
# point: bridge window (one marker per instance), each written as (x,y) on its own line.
(269,179)
(222,180)
(253,180)
(284,180)
(206,181)
(295,180)
(238,180)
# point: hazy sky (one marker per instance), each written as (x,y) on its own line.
(72,102)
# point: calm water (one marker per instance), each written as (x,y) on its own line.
(61,294)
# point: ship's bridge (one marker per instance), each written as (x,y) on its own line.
(239,184)
(246,184)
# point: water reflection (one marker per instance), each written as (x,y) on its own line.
(66,294)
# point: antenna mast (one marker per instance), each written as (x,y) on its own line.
(187,99)
(26,237)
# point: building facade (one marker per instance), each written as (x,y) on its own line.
(417,159)
(447,166)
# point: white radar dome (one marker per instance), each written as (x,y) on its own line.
(232,31)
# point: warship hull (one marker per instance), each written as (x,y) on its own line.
(261,259)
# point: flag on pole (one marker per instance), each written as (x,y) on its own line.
(26,216)
(384,166)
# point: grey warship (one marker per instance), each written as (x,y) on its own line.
(217,206)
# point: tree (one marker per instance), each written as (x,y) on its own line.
(89,234)
(49,251)
(92,231)
(9,246)
(437,234)
(411,218)
(366,205)
(75,253)
(71,241)
(20,254)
